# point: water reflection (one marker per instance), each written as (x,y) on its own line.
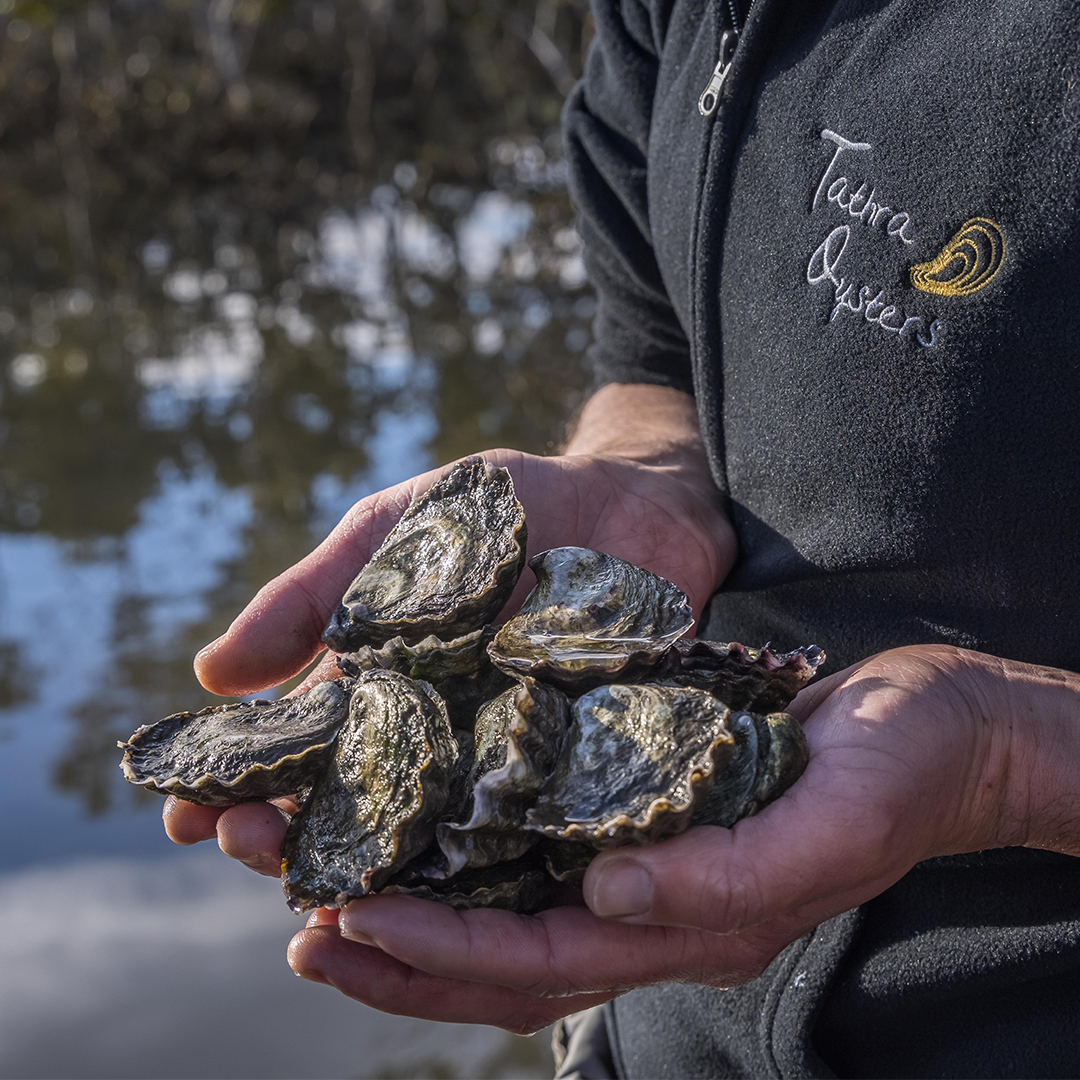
(192,945)
(254,245)
(257,259)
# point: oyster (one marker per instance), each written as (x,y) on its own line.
(742,678)
(770,755)
(251,750)
(590,619)
(446,568)
(520,884)
(518,737)
(460,669)
(637,762)
(376,806)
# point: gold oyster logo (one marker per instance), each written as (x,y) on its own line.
(966,263)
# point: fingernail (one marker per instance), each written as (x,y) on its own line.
(349,923)
(622,887)
(266,865)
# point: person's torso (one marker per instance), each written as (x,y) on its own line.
(879,272)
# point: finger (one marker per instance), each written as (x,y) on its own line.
(325,669)
(323,917)
(252,834)
(279,633)
(379,980)
(185,823)
(808,856)
(560,952)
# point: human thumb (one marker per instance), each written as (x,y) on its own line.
(781,863)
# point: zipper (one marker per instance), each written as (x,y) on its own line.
(710,96)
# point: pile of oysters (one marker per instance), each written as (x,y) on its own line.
(478,766)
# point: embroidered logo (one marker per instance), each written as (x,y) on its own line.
(969,261)
(869,216)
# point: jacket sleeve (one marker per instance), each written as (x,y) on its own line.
(638,338)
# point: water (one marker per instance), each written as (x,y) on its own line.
(257,260)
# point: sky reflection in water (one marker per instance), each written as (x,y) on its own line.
(257,260)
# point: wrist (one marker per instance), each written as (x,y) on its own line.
(645,441)
(651,425)
(1043,792)
(1023,786)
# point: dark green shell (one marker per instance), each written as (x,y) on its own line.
(447,567)
(637,762)
(518,737)
(755,679)
(231,753)
(376,805)
(460,669)
(770,755)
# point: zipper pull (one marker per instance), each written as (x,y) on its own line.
(710,96)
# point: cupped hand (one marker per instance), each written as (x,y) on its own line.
(910,756)
(663,516)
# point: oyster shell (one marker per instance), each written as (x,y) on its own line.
(250,750)
(637,762)
(460,669)
(518,737)
(446,568)
(566,862)
(756,679)
(376,806)
(770,755)
(518,885)
(590,619)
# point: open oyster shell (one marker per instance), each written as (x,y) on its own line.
(770,755)
(446,568)
(376,805)
(591,618)
(755,679)
(636,763)
(518,737)
(250,750)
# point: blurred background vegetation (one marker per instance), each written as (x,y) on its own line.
(240,241)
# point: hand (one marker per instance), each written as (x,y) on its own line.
(915,753)
(647,498)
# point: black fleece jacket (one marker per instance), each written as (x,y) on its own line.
(866,267)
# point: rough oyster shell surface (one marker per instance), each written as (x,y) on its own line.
(376,806)
(754,679)
(249,750)
(518,885)
(637,761)
(459,669)
(446,568)
(770,755)
(518,737)
(462,773)
(591,618)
